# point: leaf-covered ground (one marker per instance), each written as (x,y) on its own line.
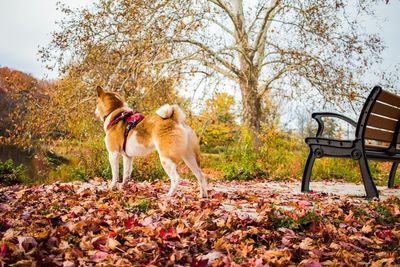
(241,224)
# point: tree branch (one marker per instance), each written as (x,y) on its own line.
(170,60)
(216,68)
(222,26)
(278,75)
(205,48)
(259,44)
(116,70)
(228,11)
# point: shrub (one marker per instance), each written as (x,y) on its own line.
(78,174)
(147,168)
(10,175)
(241,161)
(281,154)
(53,159)
(279,157)
(89,159)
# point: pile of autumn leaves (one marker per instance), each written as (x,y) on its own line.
(84,224)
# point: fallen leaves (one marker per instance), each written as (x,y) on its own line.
(241,224)
(26,243)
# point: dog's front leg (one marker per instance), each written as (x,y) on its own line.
(114,157)
(127,170)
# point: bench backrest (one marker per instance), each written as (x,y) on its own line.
(380,120)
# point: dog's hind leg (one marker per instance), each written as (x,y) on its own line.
(191,162)
(113,158)
(170,168)
(127,169)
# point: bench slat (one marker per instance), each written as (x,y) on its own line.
(376,146)
(385,110)
(389,98)
(378,135)
(380,122)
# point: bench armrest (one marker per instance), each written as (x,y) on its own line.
(319,115)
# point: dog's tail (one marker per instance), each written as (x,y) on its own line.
(174,112)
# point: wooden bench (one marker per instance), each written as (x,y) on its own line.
(376,137)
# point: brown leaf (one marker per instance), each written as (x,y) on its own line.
(26,243)
(112,243)
(98,256)
(307,244)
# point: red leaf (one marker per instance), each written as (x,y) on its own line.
(384,235)
(199,263)
(5,207)
(112,234)
(3,250)
(169,233)
(77,252)
(303,204)
(163,233)
(131,222)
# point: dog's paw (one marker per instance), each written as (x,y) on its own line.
(203,195)
(166,196)
(125,185)
(112,186)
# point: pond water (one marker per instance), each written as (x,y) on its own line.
(35,167)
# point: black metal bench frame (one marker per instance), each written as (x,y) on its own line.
(353,149)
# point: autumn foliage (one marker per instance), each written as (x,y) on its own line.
(147,51)
(241,224)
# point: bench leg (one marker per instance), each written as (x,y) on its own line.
(369,184)
(305,183)
(392,174)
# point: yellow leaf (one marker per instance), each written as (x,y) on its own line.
(112,243)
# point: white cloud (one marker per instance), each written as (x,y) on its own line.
(26,25)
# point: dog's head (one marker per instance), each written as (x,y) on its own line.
(107,102)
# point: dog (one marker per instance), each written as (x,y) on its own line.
(165,132)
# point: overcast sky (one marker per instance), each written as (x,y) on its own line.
(27,24)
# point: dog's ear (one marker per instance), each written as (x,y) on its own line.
(99,90)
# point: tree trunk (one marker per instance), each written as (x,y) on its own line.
(251,110)
(248,78)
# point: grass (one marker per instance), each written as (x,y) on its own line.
(11,174)
(299,224)
(384,215)
(281,158)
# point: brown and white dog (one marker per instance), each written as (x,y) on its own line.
(165,132)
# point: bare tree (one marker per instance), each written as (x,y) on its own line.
(265,46)
(110,43)
(280,46)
